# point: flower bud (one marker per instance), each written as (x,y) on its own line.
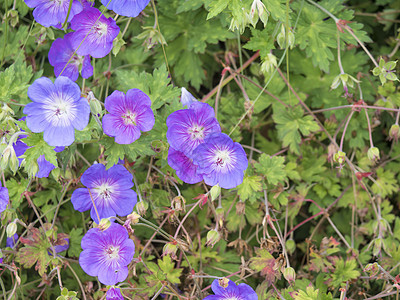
(11,229)
(289,274)
(178,203)
(220,215)
(394,132)
(373,154)
(290,246)
(240,208)
(372,269)
(142,207)
(95,105)
(170,249)
(214,192)
(213,237)
(339,157)
(104,224)
(133,218)
(269,64)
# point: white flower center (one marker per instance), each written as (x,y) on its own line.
(196,132)
(105,191)
(222,157)
(101,28)
(59,109)
(129,118)
(112,252)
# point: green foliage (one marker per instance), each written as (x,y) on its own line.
(272,168)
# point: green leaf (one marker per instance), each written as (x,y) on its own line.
(216,7)
(265,262)
(273,168)
(344,271)
(386,183)
(249,187)
(277,8)
(15,189)
(261,40)
(75,237)
(15,81)
(290,123)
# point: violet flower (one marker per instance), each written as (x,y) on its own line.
(226,289)
(127,8)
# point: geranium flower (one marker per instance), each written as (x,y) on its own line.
(128,115)
(226,289)
(60,54)
(221,161)
(185,169)
(52,13)
(94,33)
(127,8)
(188,128)
(4,198)
(57,110)
(107,253)
(110,190)
(114,293)
(187,98)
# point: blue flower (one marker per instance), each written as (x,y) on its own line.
(110,190)
(107,253)
(220,161)
(128,115)
(57,110)
(11,241)
(52,13)
(188,128)
(60,54)
(127,8)
(187,98)
(114,293)
(94,33)
(4,198)
(225,289)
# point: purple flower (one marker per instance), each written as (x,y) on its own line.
(52,13)
(127,8)
(110,190)
(187,98)
(94,33)
(114,293)
(62,245)
(128,115)
(57,109)
(3,198)
(188,128)
(61,52)
(225,289)
(185,169)
(107,253)
(11,241)
(221,161)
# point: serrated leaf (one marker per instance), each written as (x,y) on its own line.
(273,168)
(265,262)
(249,187)
(216,7)
(261,40)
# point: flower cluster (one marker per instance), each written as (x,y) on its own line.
(225,289)
(108,192)
(198,149)
(107,253)
(128,115)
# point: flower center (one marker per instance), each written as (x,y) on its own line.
(105,191)
(112,252)
(61,108)
(101,29)
(196,132)
(129,118)
(222,157)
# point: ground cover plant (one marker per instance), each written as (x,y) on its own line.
(216,149)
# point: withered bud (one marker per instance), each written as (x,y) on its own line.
(240,208)
(178,204)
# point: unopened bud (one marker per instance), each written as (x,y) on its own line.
(142,207)
(373,154)
(170,249)
(213,237)
(178,203)
(11,229)
(339,157)
(394,132)
(240,208)
(214,192)
(289,274)
(95,105)
(290,246)
(133,218)
(104,224)
(269,64)
(372,269)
